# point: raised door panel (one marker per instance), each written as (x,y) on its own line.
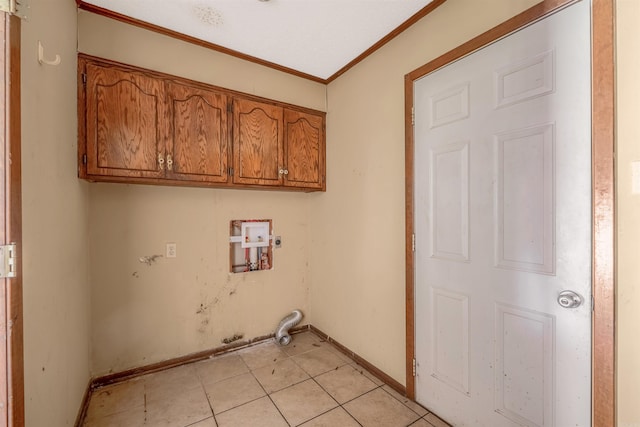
(257,143)
(502,228)
(304,150)
(123,131)
(198,143)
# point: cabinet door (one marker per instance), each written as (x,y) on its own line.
(257,143)
(304,150)
(123,113)
(197,147)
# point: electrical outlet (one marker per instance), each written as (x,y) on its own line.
(172,250)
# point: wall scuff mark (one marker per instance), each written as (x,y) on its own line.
(233,338)
(151,259)
(202,308)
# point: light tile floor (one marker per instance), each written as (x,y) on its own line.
(307,383)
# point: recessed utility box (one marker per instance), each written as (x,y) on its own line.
(251,245)
(255,234)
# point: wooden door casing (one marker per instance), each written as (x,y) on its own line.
(304,139)
(11,318)
(603,126)
(198,136)
(124,136)
(257,143)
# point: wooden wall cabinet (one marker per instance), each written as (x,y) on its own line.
(198,134)
(257,141)
(304,149)
(124,136)
(278,146)
(139,126)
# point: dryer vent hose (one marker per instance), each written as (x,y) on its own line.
(282,333)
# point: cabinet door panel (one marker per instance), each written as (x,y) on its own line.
(198,134)
(304,149)
(123,132)
(257,143)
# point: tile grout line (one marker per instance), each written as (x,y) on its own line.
(278,409)
(407,406)
(115,412)
(381,387)
(327,346)
(144,388)
(213,414)
(292,357)
(339,404)
(249,370)
(267,394)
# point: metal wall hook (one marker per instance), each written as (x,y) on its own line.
(41,58)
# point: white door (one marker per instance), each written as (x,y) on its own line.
(503,226)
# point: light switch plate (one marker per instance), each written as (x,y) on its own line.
(172,249)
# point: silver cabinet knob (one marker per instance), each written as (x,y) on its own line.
(569,299)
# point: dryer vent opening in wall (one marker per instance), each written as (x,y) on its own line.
(251,245)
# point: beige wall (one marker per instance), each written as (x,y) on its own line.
(357,246)
(144,314)
(55,222)
(343,254)
(628,205)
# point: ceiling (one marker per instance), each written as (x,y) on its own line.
(317,39)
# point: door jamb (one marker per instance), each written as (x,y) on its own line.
(11,214)
(603,194)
